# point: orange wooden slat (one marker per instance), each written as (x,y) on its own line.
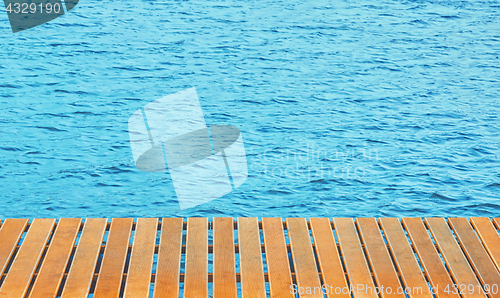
(354,259)
(141,258)
(429,258)
(252,271)
(196,276)
(328,258)
(169,259)
(489,236)
(411,274)
(453,256)
(224,282)
(10,234)
(51,273)
(278,266)
(379,258)
(87,252)
(477,256)
(306,272)
(19,277)
(110,276)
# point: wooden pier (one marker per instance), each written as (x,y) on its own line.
(295,257)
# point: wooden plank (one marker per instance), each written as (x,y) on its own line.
(478,257)
(110,276)
(278,266)
(252,271)
(496,221)
(429,258)
(354,259)
(328,258)
(306,272)
(19,277)
(141,258)
(169,259)
(224,282)
(411,274)
(82,268)
(489,236)
(10,233)
(379,258)
(196,276)
(453,256)
(54,264)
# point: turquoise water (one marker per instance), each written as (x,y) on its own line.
(372,108)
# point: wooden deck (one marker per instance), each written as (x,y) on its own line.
(319,257)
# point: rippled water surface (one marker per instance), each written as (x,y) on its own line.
(364,108)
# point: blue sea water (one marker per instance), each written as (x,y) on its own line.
(346,108)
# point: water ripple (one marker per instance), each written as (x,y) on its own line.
(346,109)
